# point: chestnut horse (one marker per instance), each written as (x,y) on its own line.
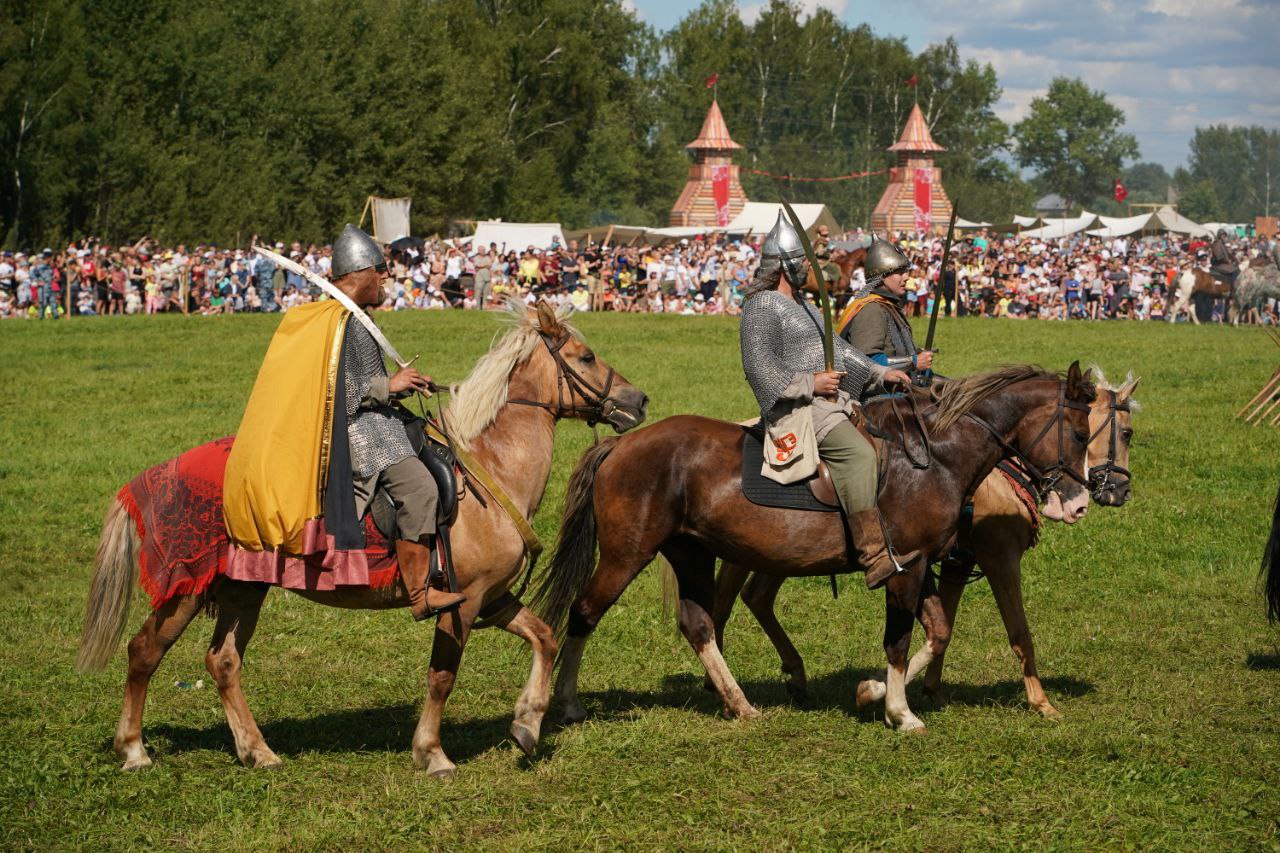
(675,488)
(542,363)
(847,261)
(1001,530)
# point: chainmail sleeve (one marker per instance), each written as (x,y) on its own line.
(767,372)
(860,372)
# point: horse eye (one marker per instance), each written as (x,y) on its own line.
(1126,434)
(1082,437)
(587,357)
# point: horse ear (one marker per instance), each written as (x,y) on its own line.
(1126,390)
(1073,380)
(547,321)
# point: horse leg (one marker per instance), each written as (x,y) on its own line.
(950,588)
(729,582)
(452,630)
(760,595)
(1003,566)
(612,575)
(902,594)
(935,615)
(238,607)
(147,648)
(695,570)
(526,727)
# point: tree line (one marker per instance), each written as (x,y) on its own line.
(215,121)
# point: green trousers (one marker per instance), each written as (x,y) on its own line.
(852,462)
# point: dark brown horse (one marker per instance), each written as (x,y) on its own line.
(1002,528)
(675,488)
(505,413)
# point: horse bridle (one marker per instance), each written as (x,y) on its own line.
(1099,475)
(598,404)
(1049,478)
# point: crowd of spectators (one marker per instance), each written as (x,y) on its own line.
(1078,277)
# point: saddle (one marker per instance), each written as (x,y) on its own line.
(815,494)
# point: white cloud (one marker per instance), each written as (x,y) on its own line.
(750,11)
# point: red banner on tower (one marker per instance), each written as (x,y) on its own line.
(923,199)
(720,192)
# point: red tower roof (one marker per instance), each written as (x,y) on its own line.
(915,134)
(715,134)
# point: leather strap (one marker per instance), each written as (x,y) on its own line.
(532,544)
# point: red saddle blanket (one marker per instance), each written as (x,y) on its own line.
(177,507)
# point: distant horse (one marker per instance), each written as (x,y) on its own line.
(1002,528)
(675,488)
(847,261)
(505,412)
(1257,281)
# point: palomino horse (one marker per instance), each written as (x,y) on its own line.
(542,363)
(847,261)
(1001,530)
(676,488)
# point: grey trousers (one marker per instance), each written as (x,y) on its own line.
(412,491)
(852,462)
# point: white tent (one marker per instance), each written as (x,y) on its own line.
(1056,228)
(758,217)
(1027,221)
(517,236)
(1164,219)
(963,224)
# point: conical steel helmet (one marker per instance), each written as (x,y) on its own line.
(353,251)
(883,258)
(783,244)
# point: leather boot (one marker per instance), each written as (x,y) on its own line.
(415,566)
(873,553)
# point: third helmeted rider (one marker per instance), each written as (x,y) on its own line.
(806,408)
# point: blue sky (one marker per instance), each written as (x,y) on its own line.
(1171,65)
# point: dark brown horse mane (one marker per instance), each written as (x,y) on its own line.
(955,397)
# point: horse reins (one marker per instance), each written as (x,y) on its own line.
(598,404)
(1099,476)
(1050,477)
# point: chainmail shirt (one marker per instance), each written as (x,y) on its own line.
(376,436)
(781,337)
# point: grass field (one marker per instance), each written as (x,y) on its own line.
(1150,636)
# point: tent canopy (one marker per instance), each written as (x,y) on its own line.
(758,217)
(1164,219)
(517,236)
(1055,228)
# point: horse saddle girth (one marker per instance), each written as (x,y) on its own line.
(815,494)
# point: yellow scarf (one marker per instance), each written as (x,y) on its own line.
(275,476)
(855,305)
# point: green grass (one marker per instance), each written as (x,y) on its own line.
(1149,629)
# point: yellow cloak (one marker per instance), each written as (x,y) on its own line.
(275,477)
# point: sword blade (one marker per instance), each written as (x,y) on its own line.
(824,298)
(331,289)
(937,296)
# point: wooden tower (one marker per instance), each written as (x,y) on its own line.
(897,208)
(712,165)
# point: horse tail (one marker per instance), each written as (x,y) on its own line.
(575,555)
(110,590)
(1271,567)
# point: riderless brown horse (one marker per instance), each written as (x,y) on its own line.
(505,413)
(675,488)
(1001,529)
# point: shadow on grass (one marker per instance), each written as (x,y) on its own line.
(388,728)
(829,692)
(1258,660)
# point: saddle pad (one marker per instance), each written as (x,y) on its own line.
(762,491)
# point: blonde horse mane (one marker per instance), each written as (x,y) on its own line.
(475,401)
(1123,390)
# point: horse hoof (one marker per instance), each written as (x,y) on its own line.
(573,715)
(525,739)
(1050,713)
(137,763)
(750,712)
(869,692)
(444,774)
(798,693)
(267,762)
